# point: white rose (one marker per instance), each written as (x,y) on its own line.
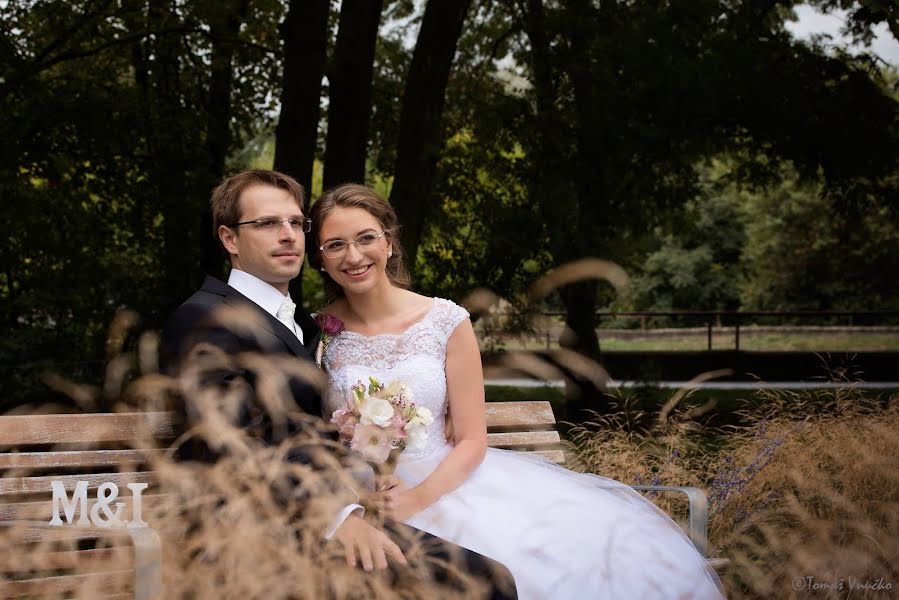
(376,411)
(417,437)
(422,418)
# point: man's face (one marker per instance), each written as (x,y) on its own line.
(273,254)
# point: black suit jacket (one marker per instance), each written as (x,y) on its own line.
(219,317)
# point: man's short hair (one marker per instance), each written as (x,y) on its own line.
(225,200)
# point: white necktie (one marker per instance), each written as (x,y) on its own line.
(285,314)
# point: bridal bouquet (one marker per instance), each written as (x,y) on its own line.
(380,421)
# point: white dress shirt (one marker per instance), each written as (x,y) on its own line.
(262,293)
(270,300)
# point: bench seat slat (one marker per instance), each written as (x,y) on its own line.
(41,532)
(556,456)
(79,560)
(520,416)
(529,439)
(67,584)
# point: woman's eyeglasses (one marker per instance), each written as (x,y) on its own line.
(338,248)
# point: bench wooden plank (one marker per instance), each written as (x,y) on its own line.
(74,458)
(42,510)
(113,581)
(32,485)
(556,456)
(520,416)
(122,557)
(40,532)
(522,440)
(106,427)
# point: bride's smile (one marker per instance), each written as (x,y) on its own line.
(354,250)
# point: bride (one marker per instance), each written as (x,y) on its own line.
(561,534)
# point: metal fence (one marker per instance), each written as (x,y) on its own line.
(736,319)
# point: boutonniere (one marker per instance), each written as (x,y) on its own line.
(330,326)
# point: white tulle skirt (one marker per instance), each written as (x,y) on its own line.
(563,534)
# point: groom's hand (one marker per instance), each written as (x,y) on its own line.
(371,543)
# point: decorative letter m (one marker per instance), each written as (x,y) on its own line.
(79,500)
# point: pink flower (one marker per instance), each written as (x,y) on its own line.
(329,324)
(346,422)
(397,428)
(371,442)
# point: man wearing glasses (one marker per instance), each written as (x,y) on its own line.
(257,216)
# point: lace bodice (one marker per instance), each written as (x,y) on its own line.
(417,357)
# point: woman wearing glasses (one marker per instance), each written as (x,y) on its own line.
(559,533)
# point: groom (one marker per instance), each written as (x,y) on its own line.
(257,216)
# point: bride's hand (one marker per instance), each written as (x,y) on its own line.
(383,485)
(400,504)
(386,482)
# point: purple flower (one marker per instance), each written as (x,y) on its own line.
(329,324)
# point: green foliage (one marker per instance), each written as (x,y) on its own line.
(789,244)
(811,248)
(697,264)
(112,128)
(486,233)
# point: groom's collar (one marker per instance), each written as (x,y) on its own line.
(311,331)
(260,292)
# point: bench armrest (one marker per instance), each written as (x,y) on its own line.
(147,563)
(147,552)
(698,512)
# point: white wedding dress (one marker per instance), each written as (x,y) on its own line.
(561,534)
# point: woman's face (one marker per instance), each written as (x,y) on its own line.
(356,267)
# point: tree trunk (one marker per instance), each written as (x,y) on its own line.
(420,135)
(181,217)
(224,31)
(350,92)
(304,32)
(561,207)
(580,301)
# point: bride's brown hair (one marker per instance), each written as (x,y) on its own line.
(352,195)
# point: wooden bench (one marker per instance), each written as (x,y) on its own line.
(38,559)
(531,427)
(63,447)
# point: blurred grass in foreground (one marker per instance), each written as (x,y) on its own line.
(803,491)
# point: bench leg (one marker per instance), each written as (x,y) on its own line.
(147,563)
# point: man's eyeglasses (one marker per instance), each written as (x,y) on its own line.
(338,248)
(298,224)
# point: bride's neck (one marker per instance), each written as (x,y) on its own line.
(375,305)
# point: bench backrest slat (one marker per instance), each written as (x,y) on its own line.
(42,484)
(74,458)
(23,430)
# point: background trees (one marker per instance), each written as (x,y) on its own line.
(698,144)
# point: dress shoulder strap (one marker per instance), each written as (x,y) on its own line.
(446,316)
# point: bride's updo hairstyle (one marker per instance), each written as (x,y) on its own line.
(352,195)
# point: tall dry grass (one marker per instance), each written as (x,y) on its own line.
(250,524)
(803,495)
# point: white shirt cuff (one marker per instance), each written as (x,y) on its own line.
(341,517)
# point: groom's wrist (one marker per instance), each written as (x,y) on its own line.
(342,516)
